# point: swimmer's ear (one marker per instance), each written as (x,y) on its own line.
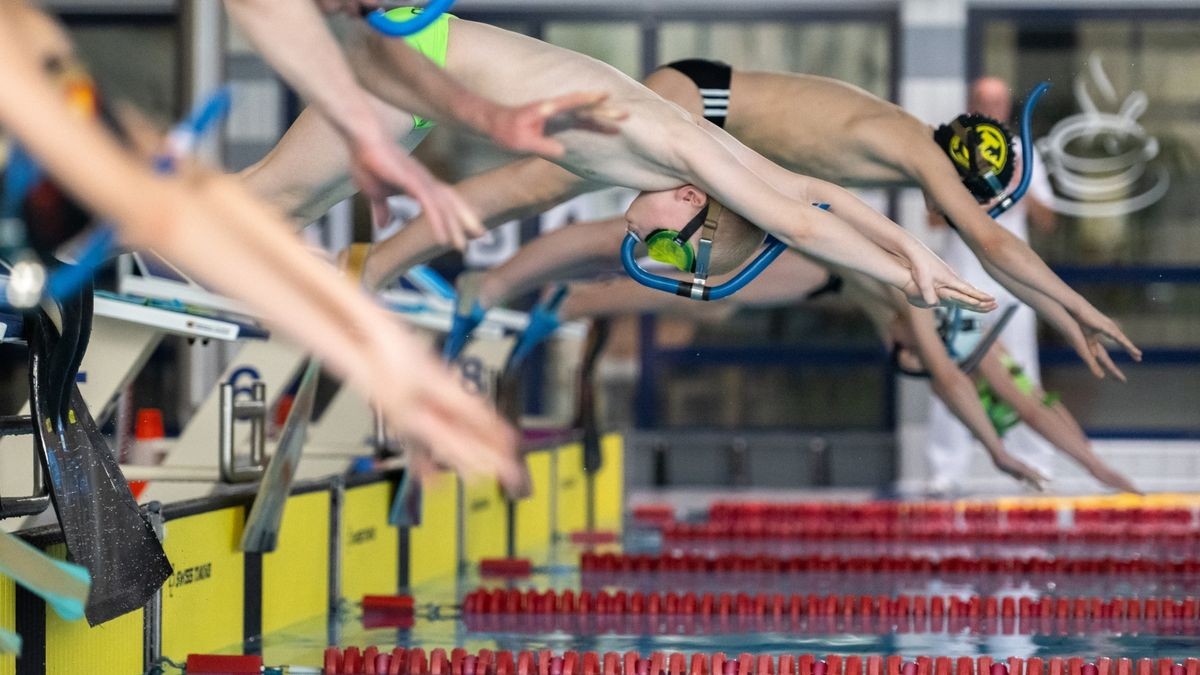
(691,195)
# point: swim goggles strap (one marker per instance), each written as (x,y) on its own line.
(708,234)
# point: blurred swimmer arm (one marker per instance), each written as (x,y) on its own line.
(958,392)
(578,251)
(209,226)
(514,191)
(911,334)
(294,39)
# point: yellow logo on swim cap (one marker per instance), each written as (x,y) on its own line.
(992,147)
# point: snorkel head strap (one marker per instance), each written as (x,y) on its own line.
(1004,200)
(709,217)
(697,289)
(981,150)
(965,341)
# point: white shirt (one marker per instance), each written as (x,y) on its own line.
(963,260)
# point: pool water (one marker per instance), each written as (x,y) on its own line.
(438,622)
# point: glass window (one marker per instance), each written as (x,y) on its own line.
(1120,133)
(136,62)
(858,52)
(1125,196)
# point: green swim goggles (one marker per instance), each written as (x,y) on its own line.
(672,247)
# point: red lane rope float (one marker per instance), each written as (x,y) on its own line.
(691,613)
(935,521)
(614,563)
(513,601)
(352,661)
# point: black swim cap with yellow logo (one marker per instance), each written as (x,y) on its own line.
(981,149)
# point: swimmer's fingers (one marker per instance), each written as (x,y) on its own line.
(976,299)
(530,128)
(1102,355)
(1019,470)
(583,110)
(1112,478)
(1099,323)
(420,462)
(489,441)
(463,213)
(1079,342)
(967,298)
(139,132)
(381,213)
(469,437)
(383,171)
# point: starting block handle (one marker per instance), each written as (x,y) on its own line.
(255,410)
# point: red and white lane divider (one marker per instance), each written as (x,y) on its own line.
(692,613)
(936,521)
(401,661)
(609,563)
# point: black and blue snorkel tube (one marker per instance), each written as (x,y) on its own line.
(953,326)
(379,20)
(1007,201)
(697,289)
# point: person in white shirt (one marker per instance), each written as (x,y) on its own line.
(948,458)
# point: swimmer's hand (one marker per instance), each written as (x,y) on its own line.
(1086,332)
(450,427)
(380,169)
(1019,470)
(1112,478)
(529,128)
(933,283)
(1096,328)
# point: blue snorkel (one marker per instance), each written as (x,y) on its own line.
(969,362)
(1007,201)
(774,249)
(65,280)
(696,289)
(461,327)
(543,321)
(378,19)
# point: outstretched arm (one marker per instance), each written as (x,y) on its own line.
(293,38)
(957,390)
(822,234)
(209,226)
(577,251)
(1011,262)
(518,190)
(927,269)
(1055,423)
